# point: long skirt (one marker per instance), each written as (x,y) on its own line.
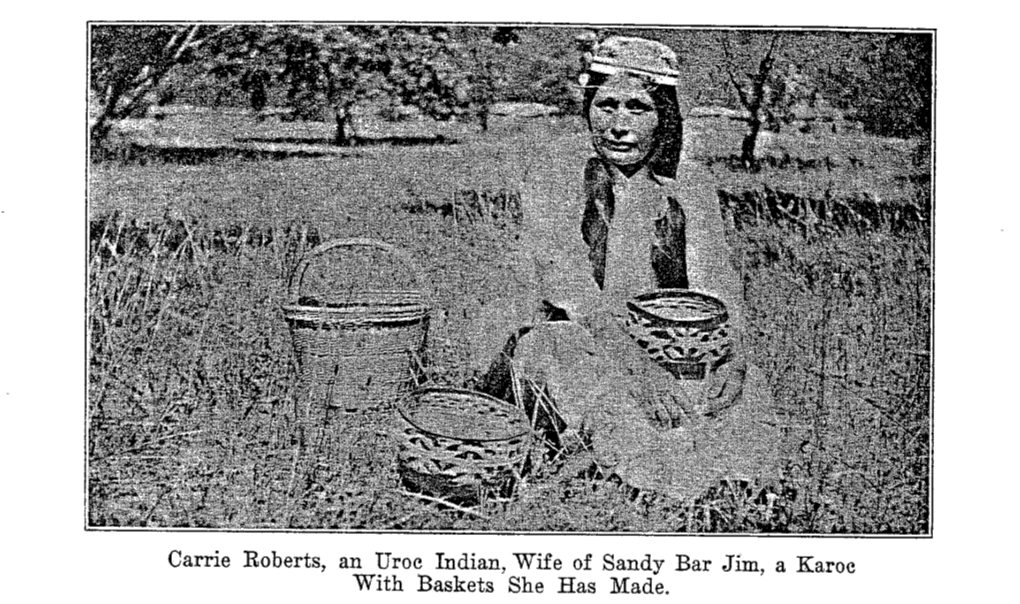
(607,400)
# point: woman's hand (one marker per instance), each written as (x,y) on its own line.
(724,387)
(688,400)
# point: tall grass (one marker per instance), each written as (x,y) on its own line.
(842,327)
(196,419)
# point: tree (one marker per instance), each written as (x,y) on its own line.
(510,64)
(543,67)
(482,66)
(886,84)
(748,62)
(495,64)
(881,80)
(128,63)
(329,70)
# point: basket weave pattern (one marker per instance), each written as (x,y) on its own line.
(458,444)
(355,351)
(687,333)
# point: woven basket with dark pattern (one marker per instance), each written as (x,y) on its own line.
(686,332)
(355,350)
(461,445)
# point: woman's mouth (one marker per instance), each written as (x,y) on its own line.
(618,146)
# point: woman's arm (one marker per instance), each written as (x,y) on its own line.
(709,263)
(702,237)
(710,269)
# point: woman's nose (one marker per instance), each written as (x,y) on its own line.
(618,130)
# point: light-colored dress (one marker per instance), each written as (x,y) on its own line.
(631,416)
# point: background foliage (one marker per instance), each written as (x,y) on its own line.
(882,81)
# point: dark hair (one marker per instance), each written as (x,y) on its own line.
(669,134)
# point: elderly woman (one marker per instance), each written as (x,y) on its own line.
(638,226)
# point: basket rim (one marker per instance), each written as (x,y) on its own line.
(711,322)
(443,389)
(410,308)
(361,306)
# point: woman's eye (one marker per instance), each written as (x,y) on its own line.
(606,105)
(638,107)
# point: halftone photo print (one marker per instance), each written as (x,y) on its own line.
(509,278)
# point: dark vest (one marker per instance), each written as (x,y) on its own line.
(668,254)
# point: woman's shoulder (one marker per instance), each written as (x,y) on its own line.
(692,178)
(694,187)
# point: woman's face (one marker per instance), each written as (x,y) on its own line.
(623,121)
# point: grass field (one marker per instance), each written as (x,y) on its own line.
(194,413)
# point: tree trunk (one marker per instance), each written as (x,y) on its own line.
(484,117)
(343,121)
(99,133)
(750,141)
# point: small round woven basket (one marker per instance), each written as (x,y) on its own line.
(684,331)
(461,445)
(355,348)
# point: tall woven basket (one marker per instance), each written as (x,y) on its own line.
(355,348)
